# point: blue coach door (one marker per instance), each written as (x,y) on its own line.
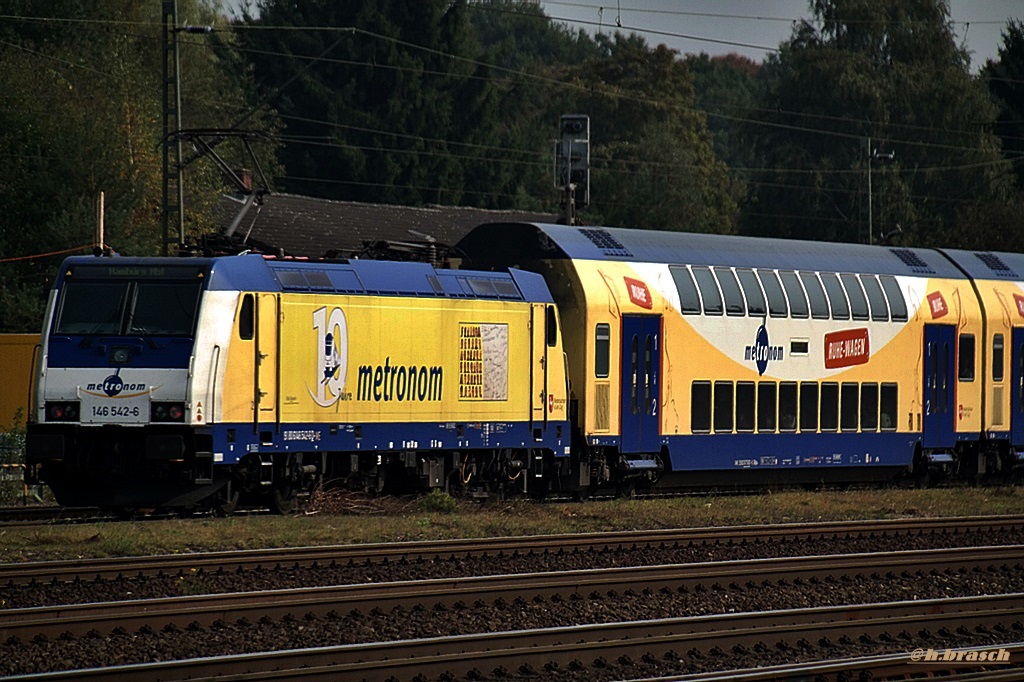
(939,386)
(1017,389)
(641,372)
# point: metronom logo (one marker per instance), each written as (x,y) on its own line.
(959,655)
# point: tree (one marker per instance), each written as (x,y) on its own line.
(371,104)
(886,72)
(81,115)
(1006,84)
(653,161)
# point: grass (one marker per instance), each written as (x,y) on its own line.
(431,518)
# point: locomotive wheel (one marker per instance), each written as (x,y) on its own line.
(227,499)
(282,499)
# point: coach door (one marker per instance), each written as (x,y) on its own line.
(1017,388)
(266,345)
(541,318)
(641,372)
(939,386)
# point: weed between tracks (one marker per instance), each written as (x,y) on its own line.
(353,519)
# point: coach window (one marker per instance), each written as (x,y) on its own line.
(787,406)
(602,344)
(836,296)
(551,326)
(247,319)
(869,407)
(897,306)
(997,357)
(708,290)
(795,294)
(809,406)
(858,302)
(848,407)
(752,292)
(966,363)
(879,309)
(766,406)
(772,289)
(816,295)
(723,406)
(689,302)
(731,291)
(745,406)
(700,406)
(829,407)
(889,406)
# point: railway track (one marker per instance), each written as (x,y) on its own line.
(613,647)
(317,602)
(234,561)
(37,515)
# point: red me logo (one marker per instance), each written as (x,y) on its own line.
(639,293)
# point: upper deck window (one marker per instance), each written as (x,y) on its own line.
(129,301)
(689,302)
(795,294)
(752,292)
(772,288)
(819,304)
(708,290)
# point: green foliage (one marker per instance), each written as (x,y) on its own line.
(80,114)
(1006,84)
(437,501)
(891,73)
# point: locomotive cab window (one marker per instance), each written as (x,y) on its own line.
(602,345)
(247,319)
(127,301)
(966,358)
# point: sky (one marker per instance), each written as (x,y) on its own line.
(751,27)
(754,27)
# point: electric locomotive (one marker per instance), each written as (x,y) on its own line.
(206,382)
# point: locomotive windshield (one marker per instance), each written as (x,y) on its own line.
(124,300)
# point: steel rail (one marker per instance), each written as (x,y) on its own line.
(577,647)
(102,568)
(205,610)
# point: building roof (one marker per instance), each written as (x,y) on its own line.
(311,227)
